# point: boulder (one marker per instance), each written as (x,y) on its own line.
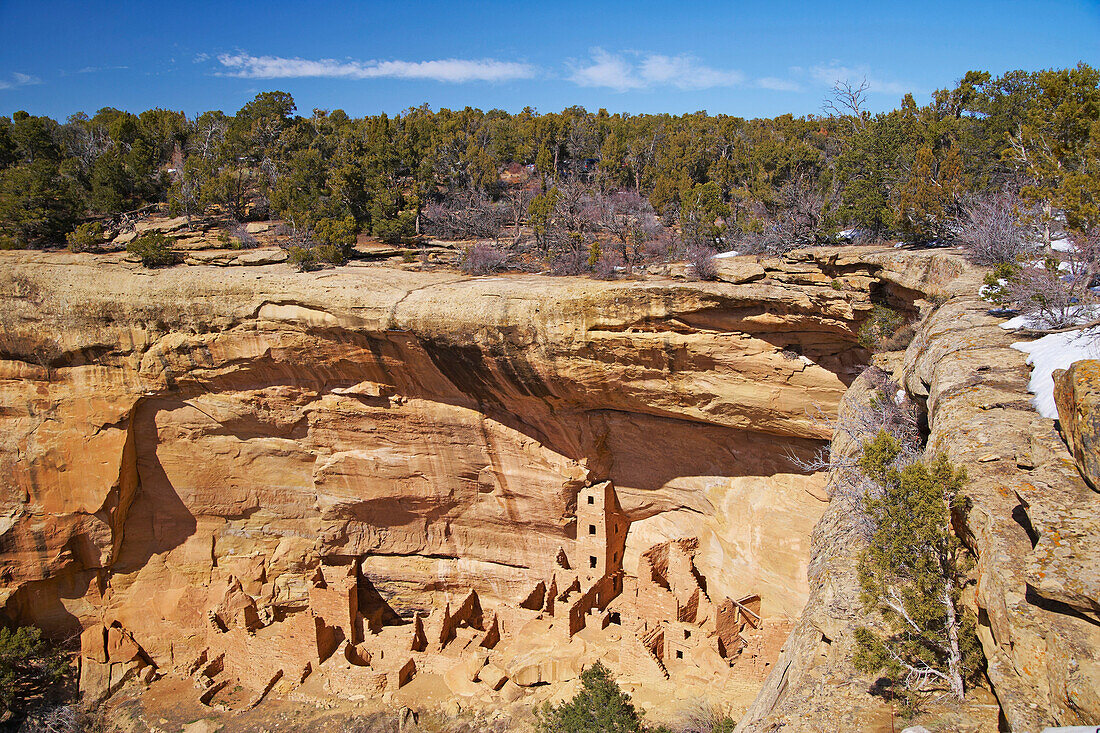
(1077,394)
(121,647)
(739,270)
(93,643)
(492,676)
(261,257)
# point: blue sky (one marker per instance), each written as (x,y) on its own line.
(747,59)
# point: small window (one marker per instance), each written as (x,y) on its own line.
(591,500)
(591,561)
(591,529)
(679,654)
(687,634)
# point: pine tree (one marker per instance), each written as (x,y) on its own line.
(599,707)
(1056,147)
(930,196)
(913,572)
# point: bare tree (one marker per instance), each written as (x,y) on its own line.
(467,214)
(630,220)
(800,208)
(517,199)
(847,100)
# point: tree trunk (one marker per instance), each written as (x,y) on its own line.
(954,656)
(1047,214)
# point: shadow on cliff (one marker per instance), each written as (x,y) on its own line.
(648,451)
(42,603)
(158,520)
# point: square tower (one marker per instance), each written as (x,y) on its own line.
(601,532)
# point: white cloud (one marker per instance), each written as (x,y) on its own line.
(607,70)
(778,85)
(446,70)
(19,80)
(835,71)
(96,69)
(618,72)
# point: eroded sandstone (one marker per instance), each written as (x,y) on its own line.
(261,476)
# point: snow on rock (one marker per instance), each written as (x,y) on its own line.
(1051,352)
(1063,266)
(1063,244)
(1083,314)
(723,255)
(985,291)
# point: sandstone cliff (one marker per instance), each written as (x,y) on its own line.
(195,449)
(1032,526)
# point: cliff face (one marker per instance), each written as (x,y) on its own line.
(1031,524)
(194,450)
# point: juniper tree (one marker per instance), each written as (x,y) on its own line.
(599,707)
(913,572)
(32,670)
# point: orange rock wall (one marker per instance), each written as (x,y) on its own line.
(164,432)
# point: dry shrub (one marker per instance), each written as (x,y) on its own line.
(773,242)
(483,259)
(244,238)
(994,229)
(702,263)
(1050,297)
(709,717)
(886,407)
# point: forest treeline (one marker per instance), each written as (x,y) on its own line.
(573,182)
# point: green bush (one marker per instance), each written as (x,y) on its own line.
(396,230)
(340,233)
(998,283)
(154,249)
(304,258)
(599,707)
(316,256)
(880,331)
(32,670)
(86,237)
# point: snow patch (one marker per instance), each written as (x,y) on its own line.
(724,255)
(1051,352)
(985,291)
(1082,315)
(1063,244)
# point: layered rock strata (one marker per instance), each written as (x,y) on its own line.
(1033,526)
(219,463)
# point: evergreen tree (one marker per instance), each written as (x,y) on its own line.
(913,572)
(31,670)
(599,707)
(1058,149)
(928,201)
